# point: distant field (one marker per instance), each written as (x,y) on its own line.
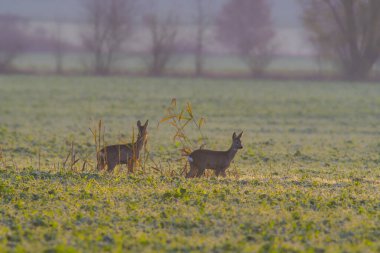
(308,177)
(214,65)
(181,63)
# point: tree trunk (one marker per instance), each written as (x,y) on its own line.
(199,39)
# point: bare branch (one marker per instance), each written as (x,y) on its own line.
(110,26)
(246,26)
(346,32)
(163,39)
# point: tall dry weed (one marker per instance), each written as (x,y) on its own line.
(180,119)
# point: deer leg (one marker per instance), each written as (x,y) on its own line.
(130,165)
(111,166)
(101,164)
(223,172)
(200,172)
(192,172)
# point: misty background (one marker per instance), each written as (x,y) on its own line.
(42,13)
(285,12)
(56,31)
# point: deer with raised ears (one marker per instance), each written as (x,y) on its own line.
(123,153)
(202,159)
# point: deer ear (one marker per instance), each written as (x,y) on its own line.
(146,123)
(139,123)
(239,136)
(234,136)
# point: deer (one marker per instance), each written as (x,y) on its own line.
(123,153)
(219,161)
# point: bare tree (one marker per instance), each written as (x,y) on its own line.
(246,26)
(110,25)
(346,32)
(13,40)
(163,34)
(202,20)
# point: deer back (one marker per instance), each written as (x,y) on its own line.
(210,159)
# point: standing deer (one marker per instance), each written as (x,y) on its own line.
(123,153)
(202,159)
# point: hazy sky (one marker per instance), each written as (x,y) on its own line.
(285,12)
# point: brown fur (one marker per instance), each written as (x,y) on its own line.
(202,159)
(123,153)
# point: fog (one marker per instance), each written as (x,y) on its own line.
(285,12)
(42,13)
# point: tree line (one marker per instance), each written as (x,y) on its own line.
(343,32)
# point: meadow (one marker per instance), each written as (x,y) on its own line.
(307,179)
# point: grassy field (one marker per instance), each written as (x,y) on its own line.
(307,180)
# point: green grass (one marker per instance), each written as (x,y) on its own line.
(309,171)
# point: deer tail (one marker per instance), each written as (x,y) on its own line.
(190,159)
